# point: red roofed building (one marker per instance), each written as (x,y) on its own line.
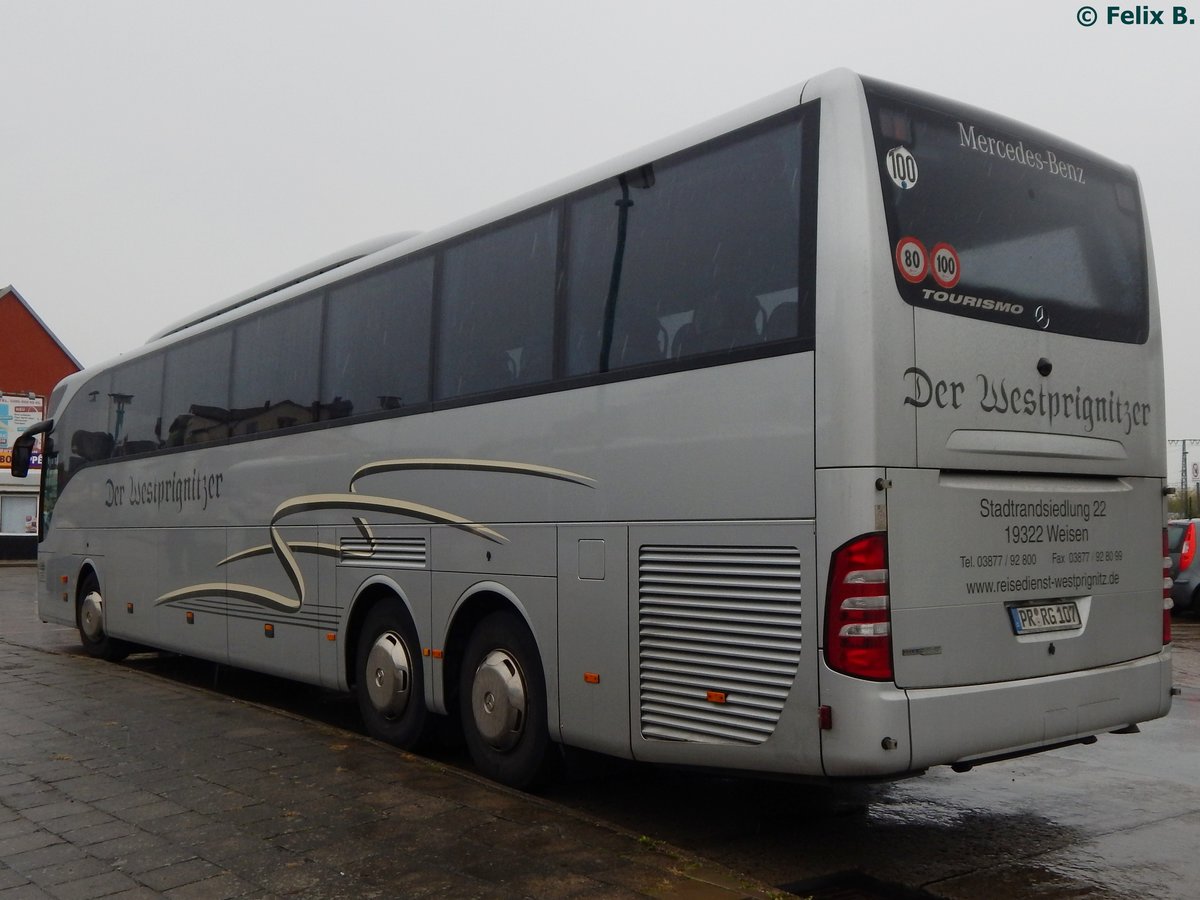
(32,362)
(31,358)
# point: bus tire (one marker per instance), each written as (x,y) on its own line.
(390,679)
(503,702)
(89,619)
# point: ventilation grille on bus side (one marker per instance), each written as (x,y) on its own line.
(389,553)
(720,636)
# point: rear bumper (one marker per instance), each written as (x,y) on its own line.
(1183,590)
(962,724)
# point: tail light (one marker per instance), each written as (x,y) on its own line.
(1168,603)
(1187,551)
(858,628)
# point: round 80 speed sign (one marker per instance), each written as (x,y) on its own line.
(912,259)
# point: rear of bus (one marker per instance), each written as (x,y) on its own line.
(990,438)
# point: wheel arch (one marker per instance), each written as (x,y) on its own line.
(372,592)
(473,606)
(88,566)
(97,642)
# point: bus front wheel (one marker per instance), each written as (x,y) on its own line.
(390,683)
(504,701)
(89,617)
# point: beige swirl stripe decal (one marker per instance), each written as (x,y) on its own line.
(354,502)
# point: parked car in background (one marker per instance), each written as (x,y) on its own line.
(1185,563)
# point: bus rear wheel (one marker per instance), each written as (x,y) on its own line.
(390,682)
(89,617)
(503,702)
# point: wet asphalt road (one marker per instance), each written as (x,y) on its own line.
(1118,819)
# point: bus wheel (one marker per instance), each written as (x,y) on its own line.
(89,616)
(390,683)
(504,701)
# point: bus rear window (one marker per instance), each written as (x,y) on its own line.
(992,220)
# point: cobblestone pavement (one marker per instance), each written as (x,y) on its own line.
(116,783)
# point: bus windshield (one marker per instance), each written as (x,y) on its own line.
(993,220)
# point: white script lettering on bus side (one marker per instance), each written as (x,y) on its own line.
(174,492)
(997,397)
(1042,161)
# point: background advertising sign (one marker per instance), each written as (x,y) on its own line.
(18,412)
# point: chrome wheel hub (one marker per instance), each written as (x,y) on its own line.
(498,700)
(389,675)
(91,616)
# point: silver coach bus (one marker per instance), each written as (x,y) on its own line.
(825,439)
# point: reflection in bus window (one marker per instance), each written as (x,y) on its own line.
(689,256)
(497,310)
(85,425)
(377,341)
(275,369)
(196,390)
(135,399)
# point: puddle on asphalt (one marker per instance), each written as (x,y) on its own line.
(852,886)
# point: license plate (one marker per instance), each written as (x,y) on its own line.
(1060,616)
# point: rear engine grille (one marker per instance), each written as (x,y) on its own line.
(719,640)
(383,553)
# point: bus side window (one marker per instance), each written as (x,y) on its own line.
(496,323)
(639,337)
(709,233)
(196,390)
(91,446)
(85,424)
(720,322)
(782,322)
(377,341)
(275,368)
(136,406)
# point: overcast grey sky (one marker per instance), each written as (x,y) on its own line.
(156,157)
